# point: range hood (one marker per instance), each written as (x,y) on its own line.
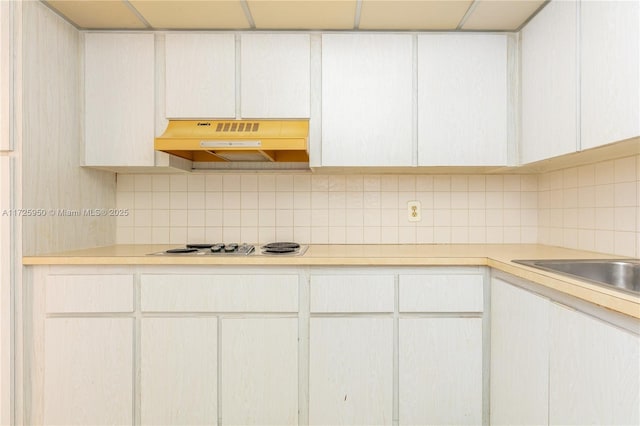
(236,140)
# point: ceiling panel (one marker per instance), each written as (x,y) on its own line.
(412,14)
(439,15)
(505,15)
(208,14)
(303,14)
(98,14)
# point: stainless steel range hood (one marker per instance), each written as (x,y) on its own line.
(236,140)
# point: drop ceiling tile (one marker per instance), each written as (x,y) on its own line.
(98,14)
(412,14)
(507,15)
(303,14)
(204,14)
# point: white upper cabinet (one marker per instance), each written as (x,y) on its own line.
(119,99)
(462,100)
(549,83)
(200,75)
(610,71)
(367,91)
(275,75)
(580,88)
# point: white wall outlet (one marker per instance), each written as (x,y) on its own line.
(414,211)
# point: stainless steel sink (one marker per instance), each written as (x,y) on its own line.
(622,275)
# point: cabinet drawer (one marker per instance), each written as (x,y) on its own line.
(219,293)
(89,293)
(352,293)
(441,293)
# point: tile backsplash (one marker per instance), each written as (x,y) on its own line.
(317,209)
(594,207)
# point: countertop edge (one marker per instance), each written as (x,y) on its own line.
(257,261)
(610,299)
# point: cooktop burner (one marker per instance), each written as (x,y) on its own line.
(210,250)
(280,248)
(182,250)
(200,246)
(235,249)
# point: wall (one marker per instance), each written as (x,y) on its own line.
(52,140)
(338,209)
(594,207)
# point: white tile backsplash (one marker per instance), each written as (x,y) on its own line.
(351,209)
(593,207)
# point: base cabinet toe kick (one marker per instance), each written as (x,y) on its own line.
(148,345)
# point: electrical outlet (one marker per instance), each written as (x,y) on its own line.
(414,211)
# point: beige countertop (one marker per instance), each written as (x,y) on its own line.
(497,256)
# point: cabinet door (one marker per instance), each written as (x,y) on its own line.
(350,371)
(179,371)
(275,76)
(549,83)
(88,371)
(462,100)
(259,367)
(119,99)
(594,371)
(519,356)
(609,71)
(200,75)
(367,90)
(440,377)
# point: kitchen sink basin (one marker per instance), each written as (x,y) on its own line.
(622,275)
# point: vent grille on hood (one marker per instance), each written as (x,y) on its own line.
(236,140)
(234,126)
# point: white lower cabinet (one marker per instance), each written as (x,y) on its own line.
(440,378)
(440,348)
(396,347)
(351,371)
(552,364)
(594,371)
(258,371)
(519,356)
(88,371)
(224,349)
(371,346)
(259,368)
(351,334)
(179,371)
